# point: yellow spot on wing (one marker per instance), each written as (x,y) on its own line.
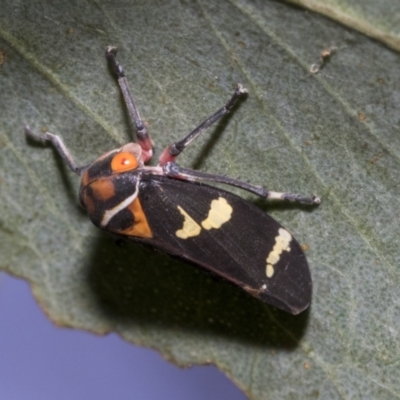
(282,242)
(219,213)
(190,227)
(269,271)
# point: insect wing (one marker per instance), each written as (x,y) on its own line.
(229,236)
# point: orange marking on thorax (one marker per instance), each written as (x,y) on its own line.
(103,189)
(85,179)
(123,162)
(140,227)
(88,203)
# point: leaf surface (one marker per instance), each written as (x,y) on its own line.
(377,19)
(335,133)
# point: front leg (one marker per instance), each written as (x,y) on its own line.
(171,152)
(58,145)
(142,135)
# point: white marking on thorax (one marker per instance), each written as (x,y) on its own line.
(119,207)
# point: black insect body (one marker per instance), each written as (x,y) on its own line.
(170,208)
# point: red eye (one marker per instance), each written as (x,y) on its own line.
(122,162)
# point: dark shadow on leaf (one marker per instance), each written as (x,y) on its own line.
(133,284)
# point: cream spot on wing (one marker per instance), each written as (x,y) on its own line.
(282,242)
(269,271)
(219,213)
(190,227)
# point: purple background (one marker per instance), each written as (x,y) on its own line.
(41,361)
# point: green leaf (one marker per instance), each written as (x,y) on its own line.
(335,133)
(377,19)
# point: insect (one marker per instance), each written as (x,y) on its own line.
(170,208)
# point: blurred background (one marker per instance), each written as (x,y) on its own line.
(41,361)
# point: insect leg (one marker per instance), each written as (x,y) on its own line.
(59,146)
(173,170)
(172,151)
(142,135)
